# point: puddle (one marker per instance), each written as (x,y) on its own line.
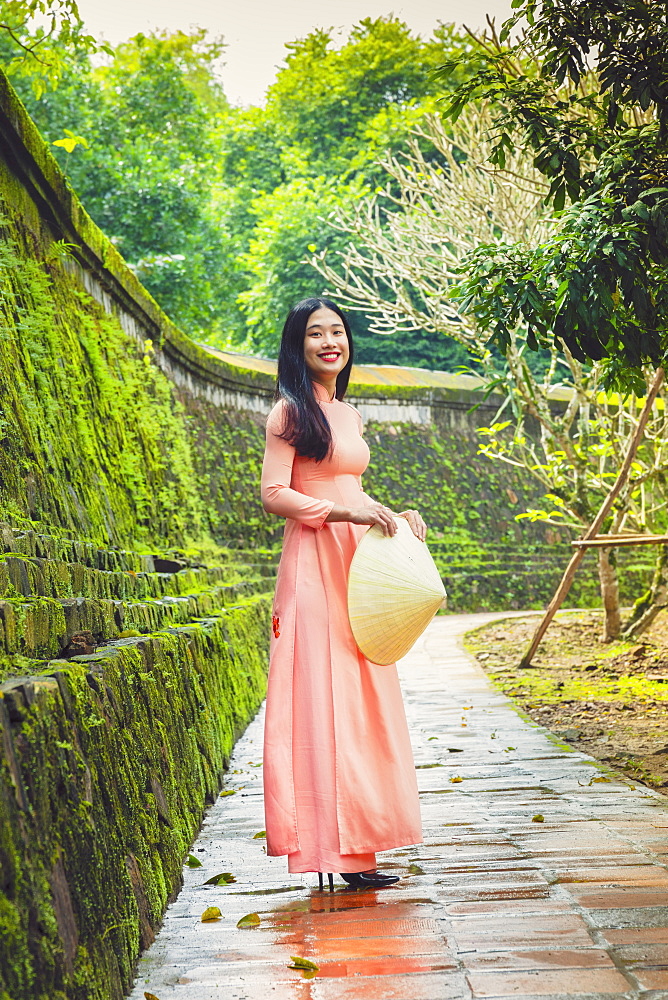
(362,933)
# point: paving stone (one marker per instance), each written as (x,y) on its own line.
(560,958)
(645,955)
(628,896)
(491,905)
(511,907)
(642,935)
(652,979)
(434,986)
(544,982)
(647,874)
(486,934)
(649,916)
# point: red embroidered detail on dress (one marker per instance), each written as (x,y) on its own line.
(276,625)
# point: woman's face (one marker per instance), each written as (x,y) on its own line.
(326,350)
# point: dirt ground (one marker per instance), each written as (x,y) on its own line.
(608,699)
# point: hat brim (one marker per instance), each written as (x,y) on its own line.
(394,591)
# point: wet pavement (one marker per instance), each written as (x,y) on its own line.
(493,904)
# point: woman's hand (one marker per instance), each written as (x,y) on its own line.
(418,527)
(374,513)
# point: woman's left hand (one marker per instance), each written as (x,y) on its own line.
(418,527)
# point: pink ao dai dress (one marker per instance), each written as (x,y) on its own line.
(339,776)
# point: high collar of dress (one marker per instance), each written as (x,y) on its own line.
(321,394)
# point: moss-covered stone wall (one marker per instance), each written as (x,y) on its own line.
(133,621)
(108,762)
(489,560)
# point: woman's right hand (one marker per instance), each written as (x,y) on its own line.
(374,513)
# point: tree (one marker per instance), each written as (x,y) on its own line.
(41,54)
(405,244)
(312,150)
(215,207)
(329,104)
(149,117)
(584,90)
(291,224)
(561,429)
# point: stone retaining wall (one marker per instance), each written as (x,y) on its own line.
(133,644)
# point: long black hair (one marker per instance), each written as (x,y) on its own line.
(306,426)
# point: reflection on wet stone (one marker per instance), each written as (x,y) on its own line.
(491,905)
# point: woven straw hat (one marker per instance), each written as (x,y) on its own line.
(394,591)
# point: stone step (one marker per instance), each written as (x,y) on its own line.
(73,550)
(32,576)
(34,545)
(43,627)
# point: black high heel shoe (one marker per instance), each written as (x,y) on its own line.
(330,878)
(369,880)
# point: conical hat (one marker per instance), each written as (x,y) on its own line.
(394,591)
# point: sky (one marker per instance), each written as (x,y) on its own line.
(255,31)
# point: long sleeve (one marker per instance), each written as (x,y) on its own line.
(278,497)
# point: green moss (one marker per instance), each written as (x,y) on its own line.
(123,473)
(114,756)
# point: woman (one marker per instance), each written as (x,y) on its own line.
(339,777)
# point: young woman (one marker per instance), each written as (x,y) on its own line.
(339,777)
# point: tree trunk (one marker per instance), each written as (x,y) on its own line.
(654,600)
(607,574)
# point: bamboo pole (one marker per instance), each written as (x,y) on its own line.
(592,531)
(609,542)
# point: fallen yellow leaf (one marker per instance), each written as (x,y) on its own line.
(538,818)
(211,913)
(456,780)
(250,920)
(303,963)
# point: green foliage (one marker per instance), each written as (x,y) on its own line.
(488,560)
(148,117)
(329,117)
(330,103)
(597,131)
(597,285)
(70,141)
(290,219)
(41,55)
(215,207)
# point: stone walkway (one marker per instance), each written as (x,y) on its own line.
(491,905)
